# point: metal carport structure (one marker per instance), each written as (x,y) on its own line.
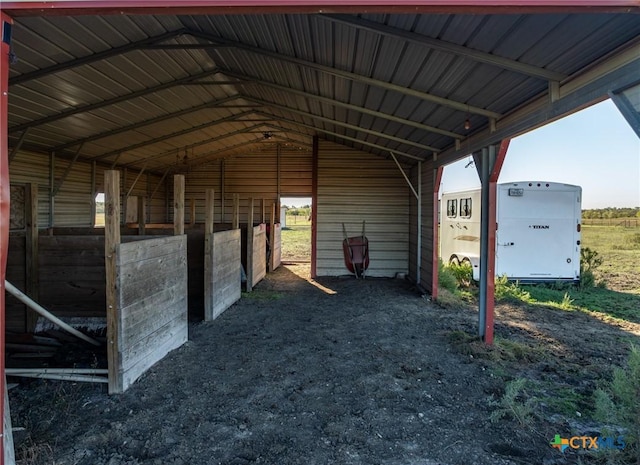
(209,78)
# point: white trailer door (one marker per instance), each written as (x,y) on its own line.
(536,237)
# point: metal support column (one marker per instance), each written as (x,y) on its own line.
(489,164)
(5,46)
(437,179)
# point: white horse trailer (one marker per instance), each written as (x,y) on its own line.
(537,236)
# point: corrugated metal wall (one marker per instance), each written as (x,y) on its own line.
(254,174)
(426,274)
(352,187)
(34,168)
(72,204)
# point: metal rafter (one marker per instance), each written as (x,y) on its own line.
(443,46)
(337,103)
(197,144)
(105,103)
(460,106)
(94,57)
(344,125)
(134,126)
(340,136)
(170,136)
(201,162)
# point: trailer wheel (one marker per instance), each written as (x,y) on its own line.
(466,262)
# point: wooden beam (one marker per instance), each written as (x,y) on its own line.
(208,253)
(141,215)
(209,211)
(31,250)
(236,212)
(249,270)
(111,249)
(314,207)
(92,220)
(263,212)
(192,211)
(178,204)
(272,235)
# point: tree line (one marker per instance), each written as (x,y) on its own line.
(611,212)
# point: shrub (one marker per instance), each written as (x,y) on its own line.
(589,262)
(463,273)
(515,404)
(510,291)
(618,403)
(447,278)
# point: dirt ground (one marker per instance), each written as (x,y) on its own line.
(342,371)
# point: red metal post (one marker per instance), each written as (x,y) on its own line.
(314,207)
(5,32)
(491,280)
(437,179)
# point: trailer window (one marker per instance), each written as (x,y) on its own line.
(452,207)
(465,207)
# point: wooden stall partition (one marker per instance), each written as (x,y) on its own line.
(222,272)
(259,255)
(146,295)
(152,302)
(276,247)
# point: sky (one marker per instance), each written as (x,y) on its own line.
(594,148)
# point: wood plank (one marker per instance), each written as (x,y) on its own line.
(174,339)
(223,272)
(259,255)
(149,346)
(145,321)
(235,221)
(272,237)
(178,204)
(133,252)
(192,211)
(111,252)
(144,278)
(276,247)
(141,215)
(250,247)
(209,211)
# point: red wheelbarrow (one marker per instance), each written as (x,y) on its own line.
(356,252)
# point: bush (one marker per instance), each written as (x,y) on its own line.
(510,291)
(463,273)
(447,278)
(589,262)
(618,403)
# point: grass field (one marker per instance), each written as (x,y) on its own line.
(619,248)
(296,240)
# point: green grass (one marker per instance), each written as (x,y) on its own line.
(296,240)
(620,249)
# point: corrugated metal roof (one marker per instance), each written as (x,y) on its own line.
(310,73)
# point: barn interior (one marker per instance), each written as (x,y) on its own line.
(194,121)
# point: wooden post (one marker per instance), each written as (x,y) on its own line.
(192,212)
(272,236)
(208,253)
(92,220)
(209,218)
(111,249)
(249,270)
(236,212)
(263,213)
(141,215)
(31,249)
(178,204)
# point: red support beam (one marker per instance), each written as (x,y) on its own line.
(5,37)
(437,179)
(314,208)
(194,7)
(491,280)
